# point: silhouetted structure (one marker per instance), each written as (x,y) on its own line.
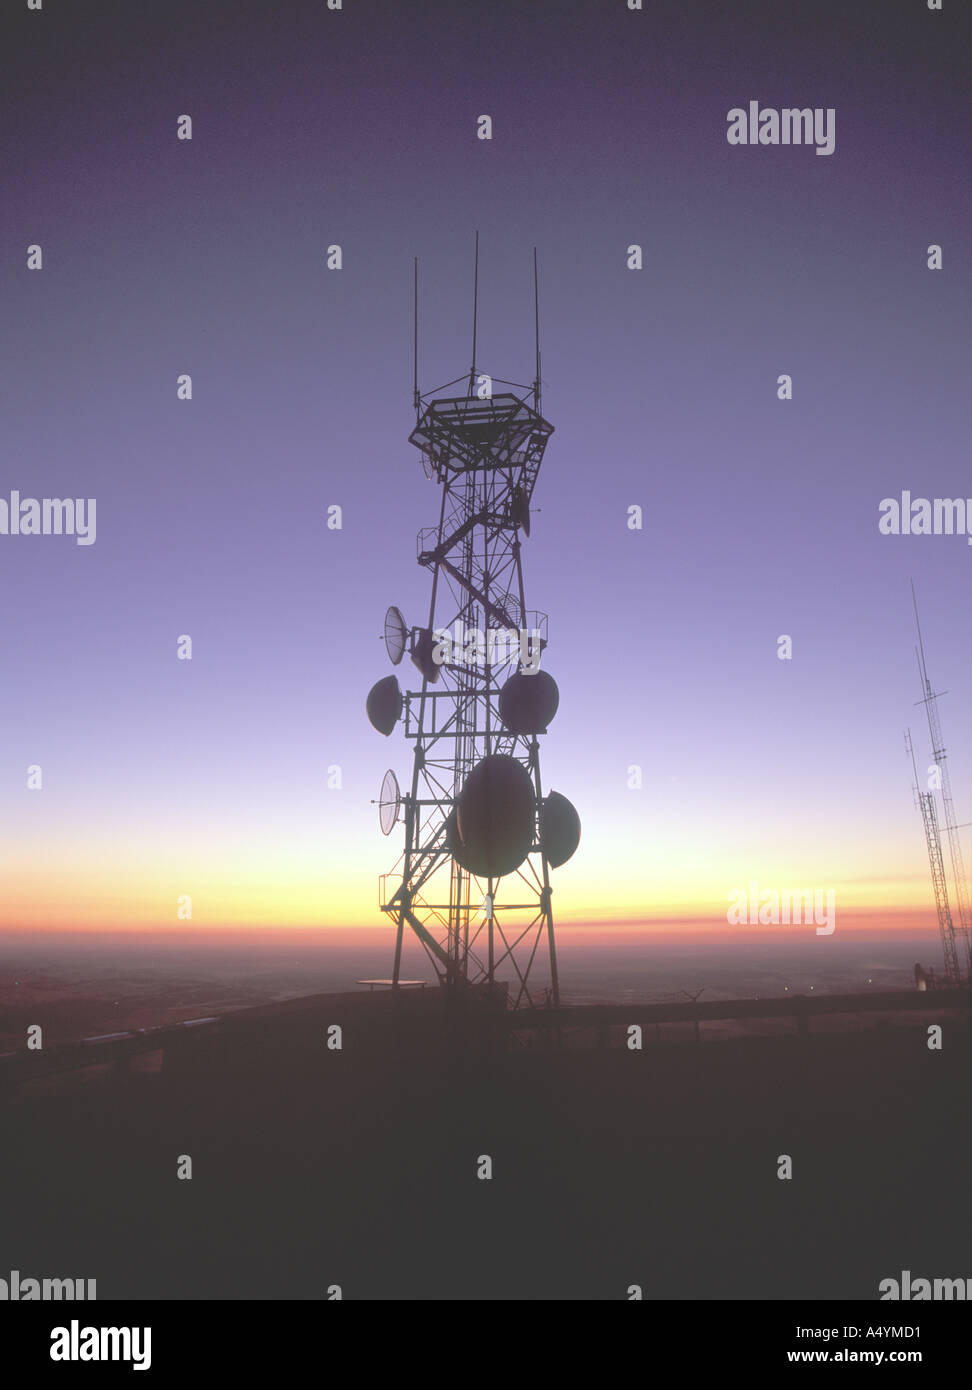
(476,816)
(953,969)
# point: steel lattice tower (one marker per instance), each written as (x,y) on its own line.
(959,882)
(482,697)
(933,840)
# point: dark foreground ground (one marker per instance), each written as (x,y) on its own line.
(358,1167)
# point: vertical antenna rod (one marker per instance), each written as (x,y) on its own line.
(536,319)
(472,372)
(416,399)
(921,645)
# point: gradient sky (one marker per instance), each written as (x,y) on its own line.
(313,127)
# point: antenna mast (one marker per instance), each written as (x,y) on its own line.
(416,398)
(536,319)
(929,700)
(933,839)
(472,370)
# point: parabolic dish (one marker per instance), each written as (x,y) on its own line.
(527,703)
(396,635)
(560,828)
(454,844)
(389,802)
(384,704)
(423,649)
(495,813)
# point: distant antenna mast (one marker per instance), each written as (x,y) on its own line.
(929,816)
(951,828)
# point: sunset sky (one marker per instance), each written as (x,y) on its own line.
(209,777)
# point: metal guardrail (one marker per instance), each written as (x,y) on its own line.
(799,1006)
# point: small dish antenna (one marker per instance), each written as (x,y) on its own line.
(423,653)
(396,635)
(389,802)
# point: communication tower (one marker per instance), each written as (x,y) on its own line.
(481,832)
(960,887)
(933,841)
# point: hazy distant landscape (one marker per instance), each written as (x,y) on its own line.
(76,988)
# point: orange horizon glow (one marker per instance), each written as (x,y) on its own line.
(860,921)
(283,894)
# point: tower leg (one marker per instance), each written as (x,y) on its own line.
(490,942)
(398,952)
(554,979)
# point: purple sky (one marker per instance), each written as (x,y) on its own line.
(208,257)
